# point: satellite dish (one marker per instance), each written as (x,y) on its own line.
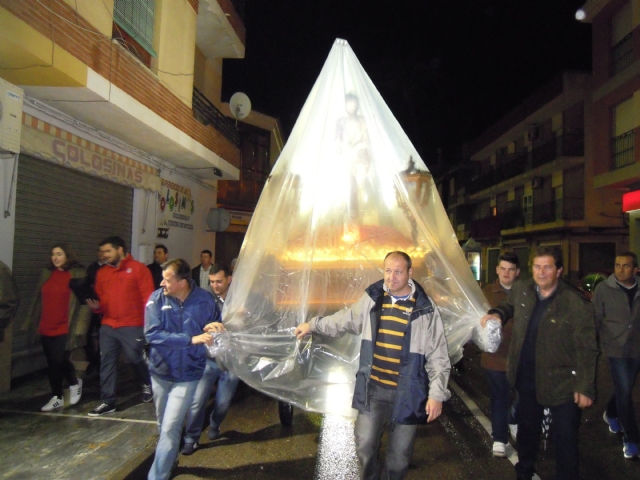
(240,105)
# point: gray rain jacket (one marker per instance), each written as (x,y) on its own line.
(617,325)
(424,359)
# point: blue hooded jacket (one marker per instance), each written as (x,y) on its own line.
(169,326)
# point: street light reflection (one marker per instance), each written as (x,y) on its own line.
(336,450)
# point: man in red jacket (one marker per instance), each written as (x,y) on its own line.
(123,287)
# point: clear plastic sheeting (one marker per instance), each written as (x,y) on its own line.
(348,188)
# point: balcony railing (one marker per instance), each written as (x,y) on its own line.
(622,151)
(206,113)
(571,145)
(560,209)
(621,55)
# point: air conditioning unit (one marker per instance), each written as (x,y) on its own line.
(536,182)
(11,98)
(533,134)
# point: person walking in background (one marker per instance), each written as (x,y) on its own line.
(62,322)
(551,361)
(495,364)
(617,305)
(123,287)
(175,317)
(9,298)
(92,348)
(160,255)
(220,280)
(200,274)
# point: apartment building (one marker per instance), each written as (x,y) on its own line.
(527,182)
(115,108)
(613,116)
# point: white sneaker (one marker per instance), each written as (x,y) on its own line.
(55,402)
(75,392)
(499,449)
(513,429)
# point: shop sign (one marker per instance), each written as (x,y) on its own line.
(240,218)
(51,143)
(631,201)
(176,208)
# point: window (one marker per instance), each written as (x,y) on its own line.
(527,209)
(133,26)
(621,39)
(622,143)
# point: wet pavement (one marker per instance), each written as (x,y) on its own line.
(601,455)
(254,445)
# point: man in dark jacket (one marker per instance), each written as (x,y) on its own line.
(617,305)
(160,255)
(404,364)
(495,364)
(200,274)
(551,362)
(175,317)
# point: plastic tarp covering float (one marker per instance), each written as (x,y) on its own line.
(348,188)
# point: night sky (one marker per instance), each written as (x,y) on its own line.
(448,69)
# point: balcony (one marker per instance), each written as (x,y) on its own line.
(563,209)
(569,145)
(622,150)
(206,113)
(242,195)
(621,55)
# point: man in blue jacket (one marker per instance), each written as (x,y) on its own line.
(175,317)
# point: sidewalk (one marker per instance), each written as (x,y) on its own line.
(69,444)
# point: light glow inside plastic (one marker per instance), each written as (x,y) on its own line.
(348,188)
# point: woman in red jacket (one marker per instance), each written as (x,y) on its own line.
(61,321)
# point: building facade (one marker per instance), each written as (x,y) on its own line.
(613,116)
(114,136)
(531,184)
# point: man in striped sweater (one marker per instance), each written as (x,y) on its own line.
(404,364)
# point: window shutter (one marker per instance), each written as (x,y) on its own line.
(136,18)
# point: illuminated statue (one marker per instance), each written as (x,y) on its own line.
(348,188)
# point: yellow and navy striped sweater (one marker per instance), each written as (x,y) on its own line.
(394,321)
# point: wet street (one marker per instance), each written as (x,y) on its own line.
(255,445)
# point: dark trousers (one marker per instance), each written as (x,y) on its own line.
(566,421)
(500,397)
(368,431)
(620,406)
(92,349)
(59,366)
(112,340)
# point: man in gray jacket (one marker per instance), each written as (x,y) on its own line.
(617,307)
(404,364)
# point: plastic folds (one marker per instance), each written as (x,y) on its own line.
(348,188)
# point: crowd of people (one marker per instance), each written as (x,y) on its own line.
(164,315)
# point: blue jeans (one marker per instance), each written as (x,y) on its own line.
(620,406)
(368,431)
(172,399)
(566,421)
(227,384)
(500,396)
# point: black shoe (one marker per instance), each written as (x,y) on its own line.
(189,448)
(147,393)
(102,410)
